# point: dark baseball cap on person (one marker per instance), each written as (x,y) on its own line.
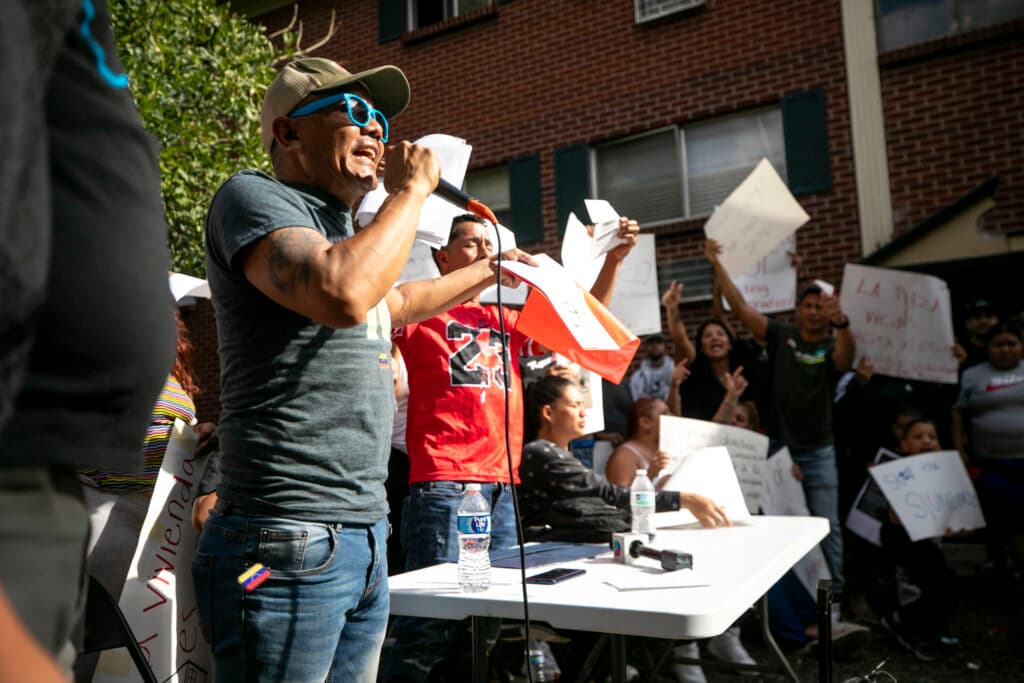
(655,338)
(387,85)
(980,306)
(807,288)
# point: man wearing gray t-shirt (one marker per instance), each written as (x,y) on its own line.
(305,305)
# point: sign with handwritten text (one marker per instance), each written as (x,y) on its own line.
(679,436)
(784,495)
(930,493)
(754,219)
(901,322)
(158,600)
(770,286)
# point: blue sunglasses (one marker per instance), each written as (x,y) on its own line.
(359,110)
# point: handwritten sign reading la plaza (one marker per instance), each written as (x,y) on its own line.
(901,322)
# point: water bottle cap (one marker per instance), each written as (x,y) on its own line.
(472,487)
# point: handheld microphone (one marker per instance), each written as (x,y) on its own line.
(446,190)
(671,560)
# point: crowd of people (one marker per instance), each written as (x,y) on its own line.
(318,348)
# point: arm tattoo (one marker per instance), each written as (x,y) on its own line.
(288,260)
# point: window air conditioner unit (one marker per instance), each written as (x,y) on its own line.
(649,10)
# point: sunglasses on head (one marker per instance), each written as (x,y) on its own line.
(359,110)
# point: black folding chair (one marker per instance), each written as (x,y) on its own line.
(107,629)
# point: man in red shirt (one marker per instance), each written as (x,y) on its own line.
(456,432)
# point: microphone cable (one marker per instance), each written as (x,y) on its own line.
(485,212)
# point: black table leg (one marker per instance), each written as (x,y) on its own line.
(479,650)
(618,656)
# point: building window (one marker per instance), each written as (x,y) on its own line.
(426,12)
(695,274)
(649,10)
(491,186)
(903,23)
(684,172)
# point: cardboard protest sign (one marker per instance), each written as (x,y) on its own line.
(754,219)
(635,300)
(679,436)
(770,286)
(901,322)
(707,472)
(784,495)
(158,600)
(870,509)
(930,493)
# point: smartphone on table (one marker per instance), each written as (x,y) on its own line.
(555,575)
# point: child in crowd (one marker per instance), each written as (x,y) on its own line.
(919,626)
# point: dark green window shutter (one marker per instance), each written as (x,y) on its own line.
(390,20)
(524,193)
(572,183)
(806,132)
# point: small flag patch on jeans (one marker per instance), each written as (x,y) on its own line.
(252,577)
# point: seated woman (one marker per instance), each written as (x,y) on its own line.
(554,415)
(556,488)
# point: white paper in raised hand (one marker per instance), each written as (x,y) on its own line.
(577,253)
(709,473)
(437,214)
(754,219)
(606,226)
(566,298)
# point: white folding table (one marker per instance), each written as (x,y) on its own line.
(738,564)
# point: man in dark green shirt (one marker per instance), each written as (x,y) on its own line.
(806,362)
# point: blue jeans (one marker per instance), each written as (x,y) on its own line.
(821,486)
(429,537)
(322,614)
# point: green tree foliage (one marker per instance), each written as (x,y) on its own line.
(197,71)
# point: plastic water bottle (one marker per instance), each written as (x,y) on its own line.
(641,503)
(542,662)
(474,525)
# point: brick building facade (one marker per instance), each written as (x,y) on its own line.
(555,95)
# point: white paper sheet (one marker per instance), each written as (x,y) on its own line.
(436,217)
(577,253)
(901,321)
(183,286)
(708,472)
(566,298)
(930,493)
(754,219)
(606,226)
(679,436)
(648,575)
